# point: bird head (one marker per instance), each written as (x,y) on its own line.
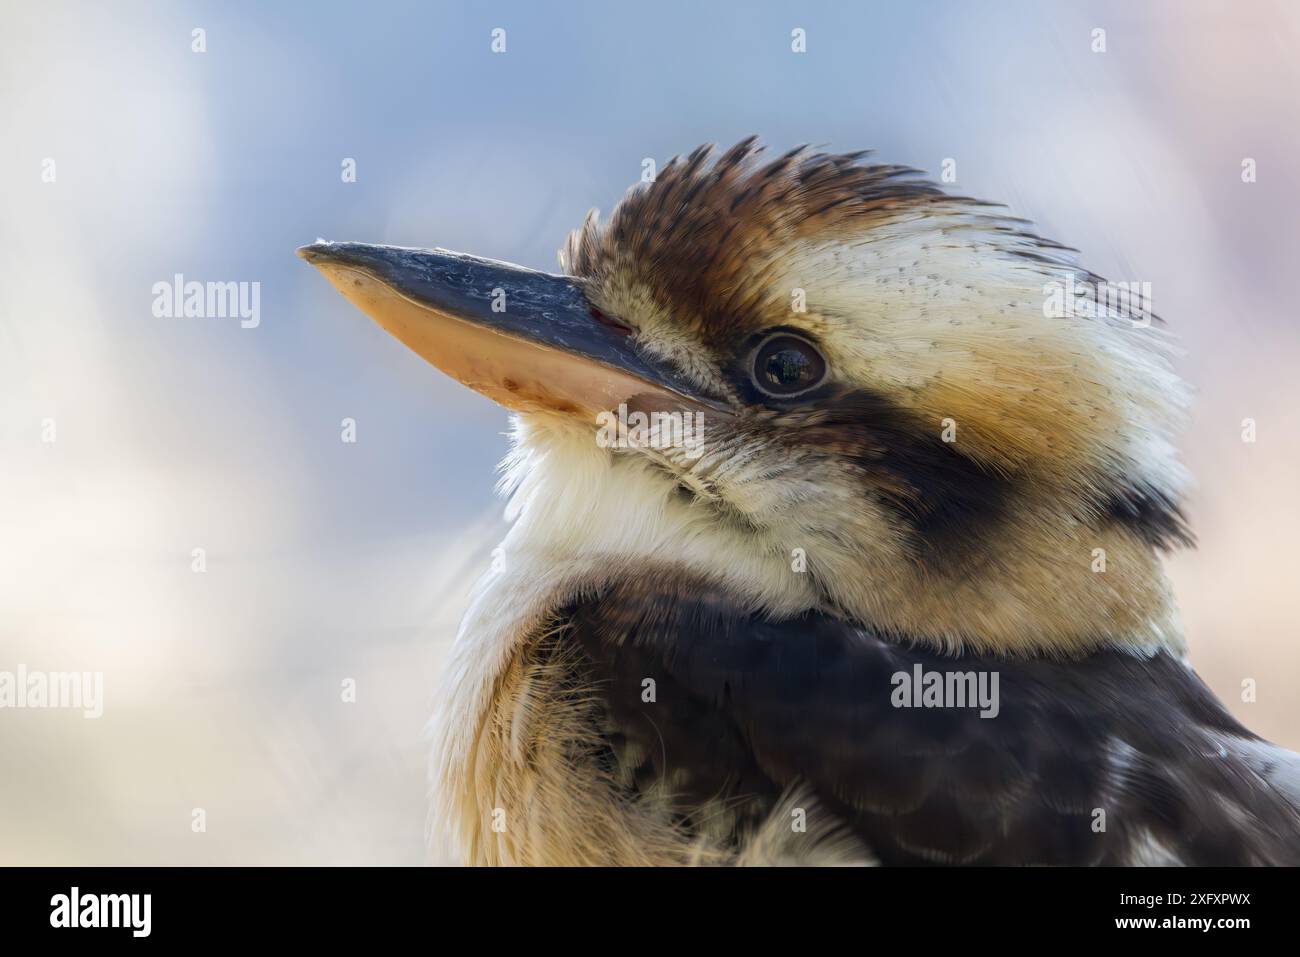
(828,384)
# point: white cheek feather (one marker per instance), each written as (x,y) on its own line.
(578,508)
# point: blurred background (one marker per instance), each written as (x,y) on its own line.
(329,561)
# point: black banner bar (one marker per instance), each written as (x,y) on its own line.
(331,906)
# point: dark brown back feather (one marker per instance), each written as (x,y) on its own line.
(746,707)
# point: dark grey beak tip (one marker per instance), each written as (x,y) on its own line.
(315,252)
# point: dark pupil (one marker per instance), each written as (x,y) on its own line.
(785,365)
(788,367)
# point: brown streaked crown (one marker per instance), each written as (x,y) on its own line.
(699,235)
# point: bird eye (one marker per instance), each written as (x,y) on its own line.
(785,365)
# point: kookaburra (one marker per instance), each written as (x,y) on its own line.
(836,538)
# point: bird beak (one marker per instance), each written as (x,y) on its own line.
(528,340)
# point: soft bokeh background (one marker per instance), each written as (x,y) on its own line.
(329,561)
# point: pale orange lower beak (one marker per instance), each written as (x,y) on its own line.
(526,339)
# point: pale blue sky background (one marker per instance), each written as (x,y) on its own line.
(328,561)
